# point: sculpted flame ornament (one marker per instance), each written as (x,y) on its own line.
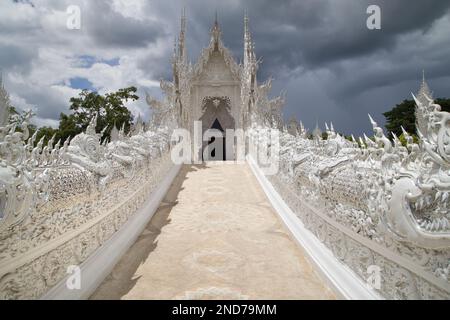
(22,187)
(419,197)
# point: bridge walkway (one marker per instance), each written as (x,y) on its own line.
(215,236)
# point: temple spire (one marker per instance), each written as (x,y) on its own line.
(175,44)
(4,103)
(246,28)
(175,60)
(181,39)
(248,47)
(420,111)
(215,33)
(424,90)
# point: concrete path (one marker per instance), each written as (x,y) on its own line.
(215,236)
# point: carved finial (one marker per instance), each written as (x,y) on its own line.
(397,141)
(317,133)
(374,124)
(423,98)
(175,47)
(368,141)
(90,130)
(404,131)
(51,141)
(114,133)
(181,40)
(248,46)
(4,103)
(424,90)
(361,142)
(246,27)
(183,21)
(215,33)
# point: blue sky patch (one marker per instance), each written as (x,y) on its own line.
(81,83)
(112,62)
(87,61)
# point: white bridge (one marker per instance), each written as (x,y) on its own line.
(361,219)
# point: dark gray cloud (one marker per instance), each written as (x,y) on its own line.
(110,28)
(332,66)
(315,32)
(15,58)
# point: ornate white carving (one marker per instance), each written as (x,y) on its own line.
(395,197)
(216,102)
(4,104)
(60,203)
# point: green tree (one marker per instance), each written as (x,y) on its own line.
(109,109)
(12,110)
(47,133)
(68,127)
(403,114)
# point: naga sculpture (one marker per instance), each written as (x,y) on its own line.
(394,196)
(59,203)
(23,183)
(418,209)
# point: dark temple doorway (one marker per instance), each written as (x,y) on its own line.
(218,155)
(216,117)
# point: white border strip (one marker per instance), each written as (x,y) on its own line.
(100,264)
(345,283)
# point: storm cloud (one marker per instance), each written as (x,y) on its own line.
(333,67)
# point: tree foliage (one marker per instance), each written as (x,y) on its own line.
(110,110)
(403,114)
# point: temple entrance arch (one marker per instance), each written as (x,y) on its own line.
(217,116)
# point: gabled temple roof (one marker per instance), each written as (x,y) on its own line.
(215,45)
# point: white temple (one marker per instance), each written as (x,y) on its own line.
(216,90)
(371,215)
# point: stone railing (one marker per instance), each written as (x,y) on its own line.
(59,204)
(374,202)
